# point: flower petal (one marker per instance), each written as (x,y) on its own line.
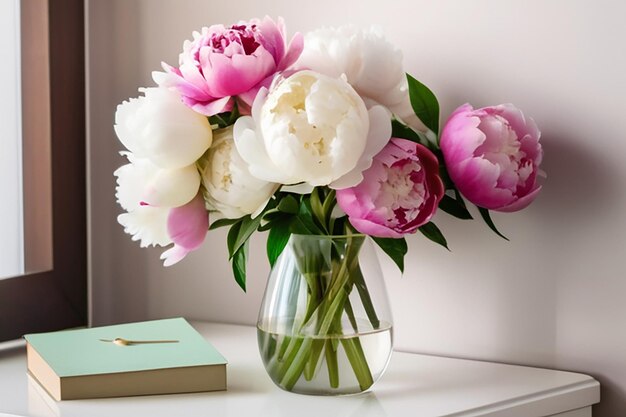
(174,255)
(187,225)
(236,75)
(374,229)
(229,187)
(172,187)
(377,137)
(521,202)
(250,146)
(146,224)
(293,52)
(273,36)
(210,108)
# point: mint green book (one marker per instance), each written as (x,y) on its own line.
(153,357)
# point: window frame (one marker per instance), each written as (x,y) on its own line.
(57,298)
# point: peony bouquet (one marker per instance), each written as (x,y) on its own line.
(322,134)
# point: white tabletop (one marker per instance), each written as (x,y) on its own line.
(414,385)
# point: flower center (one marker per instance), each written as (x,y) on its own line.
(292,106)
(218,170)
(236,39)
(502,148)
(403,192)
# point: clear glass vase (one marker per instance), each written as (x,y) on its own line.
(325,325)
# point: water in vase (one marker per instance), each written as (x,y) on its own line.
(313,364)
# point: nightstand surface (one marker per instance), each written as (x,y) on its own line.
(414,385)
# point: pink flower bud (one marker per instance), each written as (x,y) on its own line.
(493,155)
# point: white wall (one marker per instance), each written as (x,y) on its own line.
(553,296)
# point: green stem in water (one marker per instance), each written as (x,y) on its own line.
(294,366)
(350,313)
(325,304)
(354,352)
(359,283)
(311,365)
(332,364)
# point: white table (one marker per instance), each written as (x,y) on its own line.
(414,385)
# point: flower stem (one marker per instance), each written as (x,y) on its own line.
(326,302)
(294,364)
(311,365)
(332,364)
(354,352)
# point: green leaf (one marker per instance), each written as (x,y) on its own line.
(329,204)
(298,227)
(248,226)
(303,223)
(231,239)
(222,222)
(454,208)
(288,204)
(239,265)
(277,239)
(487,218)
(273,218)
(233,115)
(443,173)
(225,119)
(432,232)
(317,208)
(340,225)
(424,104)
(394,248)
(219,120)
(459,197)
(399,130)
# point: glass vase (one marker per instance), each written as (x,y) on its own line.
(325,325)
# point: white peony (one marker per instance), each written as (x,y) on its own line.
(144,223)
(158,126)
(311,128)
(229,186)
(371,64)
(142,182)
(181,219)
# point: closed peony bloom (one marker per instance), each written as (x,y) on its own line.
(229,187)
(223,63)
(142,182)
(143,222)
(493,155)
(399,192)
(313,129)
(161,206)
(158,126)
(371,64)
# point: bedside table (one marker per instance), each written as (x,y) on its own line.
(414,385)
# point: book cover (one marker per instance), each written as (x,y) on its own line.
(154,357)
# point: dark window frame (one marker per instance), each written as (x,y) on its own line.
(57,298)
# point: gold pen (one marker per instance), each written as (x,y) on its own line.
(125,342)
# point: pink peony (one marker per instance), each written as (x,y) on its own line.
(493,155)
(222,63)
(187,227)
(399,192)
